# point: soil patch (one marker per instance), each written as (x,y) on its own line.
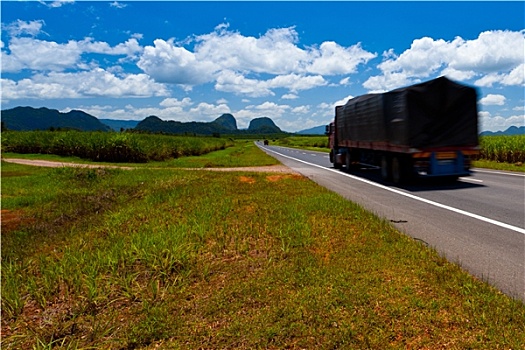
(12,219)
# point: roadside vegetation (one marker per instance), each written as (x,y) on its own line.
(180,259)
(110,147)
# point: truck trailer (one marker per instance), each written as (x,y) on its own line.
(423,130)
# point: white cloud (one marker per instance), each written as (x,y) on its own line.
(301,109)
(19,28)
(289,97)
(491,99)
(96,83)
(58,3)
(41,55)
(275,52)
(229,81)
(236,62)
(495,57)
(345,81)
(29,53)
(118,5)
(333,59)
(208,112)
(499,123)
(173,102)
(167,63)
(492,51)
(296,82)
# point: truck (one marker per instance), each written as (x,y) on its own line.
(428,130)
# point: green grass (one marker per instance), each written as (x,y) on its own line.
(178,259)
(491,164)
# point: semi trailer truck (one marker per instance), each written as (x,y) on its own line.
(428,129)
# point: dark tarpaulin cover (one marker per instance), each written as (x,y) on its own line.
(436,113)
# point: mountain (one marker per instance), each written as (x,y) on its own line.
(225,124)
(155,124)
(29,118)
(116,124)
(318,130)
(228,121)
(513,130)
(263,125)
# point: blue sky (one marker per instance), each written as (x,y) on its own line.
(290,61)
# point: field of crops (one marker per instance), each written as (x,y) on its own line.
(110,147)
(507,149)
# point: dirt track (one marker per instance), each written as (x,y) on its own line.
(52,164)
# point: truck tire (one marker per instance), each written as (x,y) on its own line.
(348,162)
(397,170)
(401,170)
(385,167)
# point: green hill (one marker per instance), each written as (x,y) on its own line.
(225,124)
(29,118)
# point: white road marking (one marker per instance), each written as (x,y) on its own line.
(497,172)
(436,204)
(469,179)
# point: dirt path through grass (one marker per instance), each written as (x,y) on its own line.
(54,164)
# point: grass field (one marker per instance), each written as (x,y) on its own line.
(179,259)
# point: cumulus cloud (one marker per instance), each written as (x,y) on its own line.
(495,57)
(25,51)
(244,65)
(117,5)
(168,63)
(95,83)
(58,3)
(500,123)
(41,55)
(209,111)
(236,62)
(174,102)
(491,99)
(230,81)
(20,28)
(289,97)
(332,59)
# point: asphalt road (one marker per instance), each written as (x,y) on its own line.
(477,222)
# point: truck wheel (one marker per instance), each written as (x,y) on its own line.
(397,170)
(385,168)
(348,162)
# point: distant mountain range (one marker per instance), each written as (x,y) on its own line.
(318,130)
(225,124)
(117,125)
(513,130)
(29,118)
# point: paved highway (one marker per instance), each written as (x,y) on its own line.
(477,222)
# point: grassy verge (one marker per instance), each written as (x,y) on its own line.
(491,164)
(180,259)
